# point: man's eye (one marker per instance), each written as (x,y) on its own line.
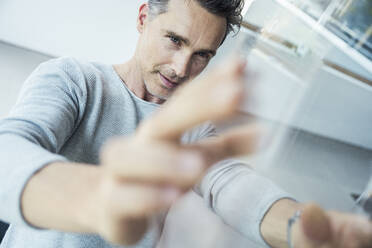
(175,40)
(203,55)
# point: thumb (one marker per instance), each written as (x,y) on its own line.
(316,225)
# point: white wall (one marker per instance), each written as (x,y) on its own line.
(89,29)
(15,65)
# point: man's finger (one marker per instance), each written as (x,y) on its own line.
(333,229)
(139,200)
(350,230)
(316,226)
(238,141)
(129,207)
(152,162)
(214,97)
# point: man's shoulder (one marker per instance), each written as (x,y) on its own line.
(72,65)
(70,72)
(67,75)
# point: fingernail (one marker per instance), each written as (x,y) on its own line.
(190,163)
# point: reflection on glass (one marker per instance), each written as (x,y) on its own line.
(350,20)
(314,8)
(287,54)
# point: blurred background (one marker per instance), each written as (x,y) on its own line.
(313,61)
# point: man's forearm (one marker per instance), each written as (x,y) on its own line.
(274,224)
(61,197)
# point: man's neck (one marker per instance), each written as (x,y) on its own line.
(131,75)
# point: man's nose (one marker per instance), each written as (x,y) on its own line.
(181,64)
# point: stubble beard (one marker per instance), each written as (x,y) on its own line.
(153,94)
(156,82)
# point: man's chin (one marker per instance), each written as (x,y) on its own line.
(159,95)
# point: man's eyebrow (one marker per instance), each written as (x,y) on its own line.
(187,42)
(212,52)
(173,34)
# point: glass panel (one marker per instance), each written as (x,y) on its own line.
(286,44)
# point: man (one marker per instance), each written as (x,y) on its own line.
(53,194)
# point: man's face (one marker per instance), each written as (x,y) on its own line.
(176,46)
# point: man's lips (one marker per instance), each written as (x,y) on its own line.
(166,82)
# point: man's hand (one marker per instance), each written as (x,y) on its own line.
(145,173)
(320,229)
(141,175)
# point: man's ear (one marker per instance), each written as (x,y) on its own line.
(142,16)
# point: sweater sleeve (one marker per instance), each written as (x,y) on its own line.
(237,193)
(49,107)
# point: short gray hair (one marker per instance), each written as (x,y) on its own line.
(230,9)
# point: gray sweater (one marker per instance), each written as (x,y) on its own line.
(66,110)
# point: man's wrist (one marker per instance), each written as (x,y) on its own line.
(275,222)
(88,215)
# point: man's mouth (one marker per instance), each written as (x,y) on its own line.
(166,82)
